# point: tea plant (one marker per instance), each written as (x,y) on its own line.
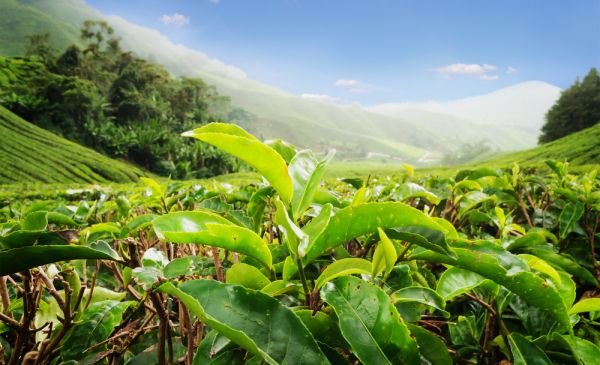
(485,267)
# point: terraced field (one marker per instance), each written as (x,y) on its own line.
(29,153)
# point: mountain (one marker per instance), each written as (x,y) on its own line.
(32,154)
(519,108)
(414,133)
(20,19)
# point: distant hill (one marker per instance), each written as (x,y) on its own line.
(517,109)
(415,133)
(32,154)
(19,19)
(581,150)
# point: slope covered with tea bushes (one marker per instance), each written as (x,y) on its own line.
(581,148)
(29,153)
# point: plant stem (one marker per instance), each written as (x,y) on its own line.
(304,282)
(591,231)
(404,251)
(524,209)
(4,295)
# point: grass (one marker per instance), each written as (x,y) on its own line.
(31,154)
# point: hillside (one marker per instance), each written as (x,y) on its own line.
(353,130)
(32,154)
(19,20)
(581,150)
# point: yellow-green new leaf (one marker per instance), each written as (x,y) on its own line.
(540,265)
(586,305)
(343,267)
(296,239)
(206,228)
(239,143)
(306,173)
(384,257)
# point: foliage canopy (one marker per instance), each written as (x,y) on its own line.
(577,108)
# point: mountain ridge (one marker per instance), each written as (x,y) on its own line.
(275,113)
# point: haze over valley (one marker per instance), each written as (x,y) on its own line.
(417,132)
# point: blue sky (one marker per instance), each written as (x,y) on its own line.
(377,51)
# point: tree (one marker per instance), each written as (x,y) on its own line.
(577,108)
(39,45)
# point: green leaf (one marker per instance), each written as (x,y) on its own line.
(154,186)
(428,238)
(540,265)
(570,214)
(361,196)
(430,346)
(296,239)
(501,218)
(349,266)
(95,325)
(289,268)
(247,276)
(418,294)
(255,321)
(564,262)
(24,258)
(205,228)
(324,328)
(586,305)
(306,173)
(526,352)
(178,267)
(147,276)
(234,140)
(317,225)
(528,240)
(355,221)
(154,258)
(285,149)
(209,348)
(370,322)
(35,221)
(137,223)
(492,262)
(411,190)
(384,256)
(456,281)
(257,204)
(586,352)
(279,287)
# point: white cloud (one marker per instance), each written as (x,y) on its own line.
(346,83)
(489,77)
(354,86)
(322,98)
(473,69)
(178,20)
(510,70)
